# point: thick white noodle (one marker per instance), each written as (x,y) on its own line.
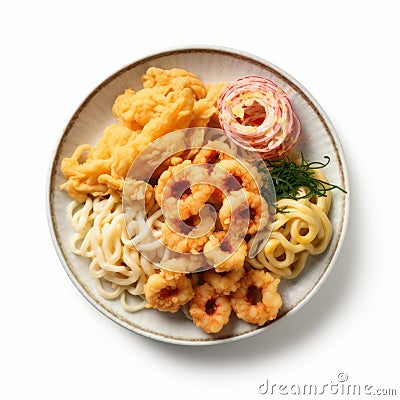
(117,266)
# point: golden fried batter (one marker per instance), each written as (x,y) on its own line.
(206,107)
(257,300)
(210,310)
(168,291)
(94,173)
(165,78)
(170,100)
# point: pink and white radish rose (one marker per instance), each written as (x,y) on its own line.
(257,115)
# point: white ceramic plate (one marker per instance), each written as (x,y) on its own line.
(211,64)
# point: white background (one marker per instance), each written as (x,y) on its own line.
(54,344)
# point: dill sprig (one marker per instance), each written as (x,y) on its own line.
(288,177)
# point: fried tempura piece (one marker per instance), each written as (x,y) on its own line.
(176,114)
(135,109)
(93,173)
(170,100)
(205,108)
(165,77)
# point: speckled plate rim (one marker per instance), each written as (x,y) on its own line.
(324,119)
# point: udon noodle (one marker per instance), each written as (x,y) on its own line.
(301,229)
(119,269)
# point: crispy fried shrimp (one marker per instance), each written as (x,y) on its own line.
(257,300)
(178,195)
(216,199)
(210,310)
(165,164)
(237,175)
(168,291)
(235,209)
(224,282)
(221,253)
(213,152)
(180,240)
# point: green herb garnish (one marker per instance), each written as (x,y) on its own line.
(288,177)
